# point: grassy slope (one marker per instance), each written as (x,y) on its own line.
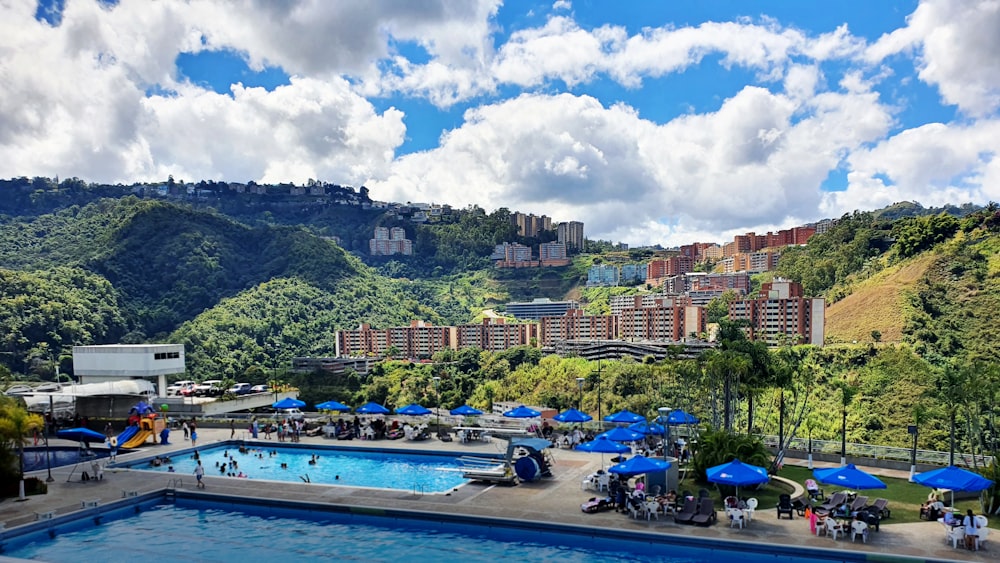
(876,304)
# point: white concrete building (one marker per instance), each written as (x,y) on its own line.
(116,362)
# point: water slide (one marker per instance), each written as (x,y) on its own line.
(138,440)
(126,435)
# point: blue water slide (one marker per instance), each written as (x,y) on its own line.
(127,434)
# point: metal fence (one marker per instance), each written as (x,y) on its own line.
(929,457)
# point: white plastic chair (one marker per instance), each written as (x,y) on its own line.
(859,528)
(833,529)
(651,508)
(956,535)
(603,482)
(981,535)
(751,507)
(736,517)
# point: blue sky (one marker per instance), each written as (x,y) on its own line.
(652,122)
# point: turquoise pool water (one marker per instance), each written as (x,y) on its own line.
(388,469)
(193,529)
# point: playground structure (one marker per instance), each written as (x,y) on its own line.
(144,423)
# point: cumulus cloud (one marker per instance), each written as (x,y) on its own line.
(958,41)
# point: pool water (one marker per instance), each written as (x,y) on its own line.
(386,469)
(218,532)
(34,458)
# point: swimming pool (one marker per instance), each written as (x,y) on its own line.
(428,472)
(34,458)
(218,528)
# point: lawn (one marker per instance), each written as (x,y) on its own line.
(904,497)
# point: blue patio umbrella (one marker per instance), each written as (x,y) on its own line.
(603,445)
(639,465)
(679,417)
(465,410)
(80,435)
(849,477)
(953,478)
(288,403)
(648,428)
(522,412)
(621,434)
(333,406)
(413,410)
(624,417)
(571,416)
(372,408)
(738,474)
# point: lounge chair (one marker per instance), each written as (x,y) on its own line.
(833,502)
(706,515)
(597,504)
(687,512)
(859,503)
(882,506)
(785,506)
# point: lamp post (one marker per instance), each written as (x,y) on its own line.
(579,383)
(600,419)
(664,421)
(48,462)
(437,422)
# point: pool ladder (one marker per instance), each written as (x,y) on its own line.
(419,489)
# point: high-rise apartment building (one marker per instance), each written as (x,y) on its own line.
(781,314)
(570,233)
(530,225)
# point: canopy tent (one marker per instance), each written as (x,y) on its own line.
(333,406)
(522,412)
(572,416)
(413,410)
(849,477)
(371,408)
(465,410)
(954,479)
(624,417)
(81,435)
(288,403)
(639,465)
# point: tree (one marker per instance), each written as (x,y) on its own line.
(876,336)
(16,426)
(847,393)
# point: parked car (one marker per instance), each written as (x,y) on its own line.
(176,387)
(260,389)
(240,389)
(187,390)
(208,388)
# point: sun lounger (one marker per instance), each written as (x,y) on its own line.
(882,506)
(859,503)
(687,512)
(833,502)
(706,515)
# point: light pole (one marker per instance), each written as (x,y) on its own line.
(48,462)
(437,422)
(600,419)
(664,420)
(579,383)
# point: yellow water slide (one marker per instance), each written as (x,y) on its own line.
(138,440)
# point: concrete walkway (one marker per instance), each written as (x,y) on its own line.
(551,500)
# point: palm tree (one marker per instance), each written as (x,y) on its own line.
(16,426)
(847,394)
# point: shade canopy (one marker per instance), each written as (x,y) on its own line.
(413,410)
(680,417)
(954,478)
(603,445)
(288,403)
(572,416)
(465,410)
(372,408)
(624,417)
(849,477)
(737,473)
(80,435)
(333,406)
(522,412)
(639,465)
(648,428)
(621,434)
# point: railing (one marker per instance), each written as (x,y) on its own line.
(929,457)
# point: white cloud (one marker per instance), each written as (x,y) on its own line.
(958,42)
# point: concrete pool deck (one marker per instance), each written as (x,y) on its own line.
(551,500)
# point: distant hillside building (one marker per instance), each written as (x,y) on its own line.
(549,251)
(634,273)
(575,325)
(781,314)
(422,340)
(530,225)
(603,275)
(541,307)
(662,323)
(570,233)
(388,242)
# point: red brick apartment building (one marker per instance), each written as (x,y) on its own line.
(781,312)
